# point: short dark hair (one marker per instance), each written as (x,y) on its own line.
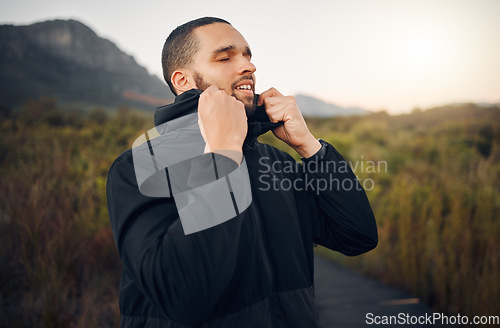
(181,45)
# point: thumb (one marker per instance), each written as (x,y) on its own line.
(211,89)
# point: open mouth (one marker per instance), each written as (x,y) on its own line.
(244,87)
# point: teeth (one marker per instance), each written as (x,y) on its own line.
(245,87)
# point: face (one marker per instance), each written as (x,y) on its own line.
(224,59)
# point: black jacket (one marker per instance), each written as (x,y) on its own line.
(254,270)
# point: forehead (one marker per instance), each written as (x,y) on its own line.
(217,35)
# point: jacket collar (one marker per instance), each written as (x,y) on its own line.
(187,103)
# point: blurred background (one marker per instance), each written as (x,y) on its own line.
(410,91)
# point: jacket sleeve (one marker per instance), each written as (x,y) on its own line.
(182,275)
(343,219)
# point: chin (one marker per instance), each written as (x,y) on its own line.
(250,108)
(247,100)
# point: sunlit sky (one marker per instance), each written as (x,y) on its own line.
(376,54)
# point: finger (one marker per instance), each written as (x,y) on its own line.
(268,93)
(277,113)
(272,101)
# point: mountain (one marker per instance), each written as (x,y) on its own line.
(313,107)
(67,60)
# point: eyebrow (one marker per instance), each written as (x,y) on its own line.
(228,48)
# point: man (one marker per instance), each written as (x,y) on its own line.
(255,268)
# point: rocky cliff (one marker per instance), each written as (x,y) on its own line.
(69,61)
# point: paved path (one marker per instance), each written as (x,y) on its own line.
(345,297)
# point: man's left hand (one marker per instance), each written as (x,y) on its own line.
(294,130)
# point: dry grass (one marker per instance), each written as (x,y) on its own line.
(437,207)
(59,263)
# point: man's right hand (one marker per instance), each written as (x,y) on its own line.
(223,123)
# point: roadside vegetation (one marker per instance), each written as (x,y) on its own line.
(434,190)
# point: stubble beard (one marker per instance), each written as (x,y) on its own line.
(249,102)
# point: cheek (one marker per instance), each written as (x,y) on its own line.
(224,83)
(222,77)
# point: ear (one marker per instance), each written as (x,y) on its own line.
(182,80)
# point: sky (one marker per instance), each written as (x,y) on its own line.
(392,55)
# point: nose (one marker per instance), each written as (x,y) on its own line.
(246,66)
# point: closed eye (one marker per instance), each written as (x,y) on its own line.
(223,59)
